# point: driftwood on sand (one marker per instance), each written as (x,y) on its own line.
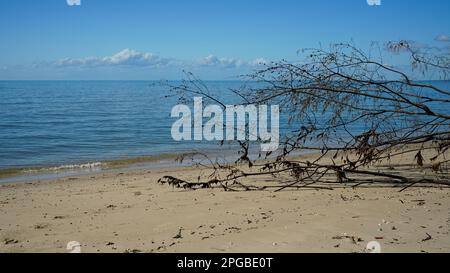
(397,118)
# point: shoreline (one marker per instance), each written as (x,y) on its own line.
(25,174)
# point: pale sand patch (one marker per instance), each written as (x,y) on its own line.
(118,212)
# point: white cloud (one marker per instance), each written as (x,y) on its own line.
(126,57)
(133,60)
(212,60)
(442,38)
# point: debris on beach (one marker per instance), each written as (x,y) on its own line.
(427,238)
(133,251)
(178,236)
(353,239)
(40,226)
(10,241)
(418,203)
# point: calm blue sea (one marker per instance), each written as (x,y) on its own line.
(53,123)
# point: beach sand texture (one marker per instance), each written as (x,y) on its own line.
(130,212)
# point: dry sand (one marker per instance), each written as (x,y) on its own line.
(130,212)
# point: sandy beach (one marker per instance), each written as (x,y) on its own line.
(128,211)
(230,127)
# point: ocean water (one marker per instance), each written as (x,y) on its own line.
(57,123)
(54,123)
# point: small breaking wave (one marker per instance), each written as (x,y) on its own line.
(94,165)
(37,173)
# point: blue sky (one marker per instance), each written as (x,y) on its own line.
(216,39)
